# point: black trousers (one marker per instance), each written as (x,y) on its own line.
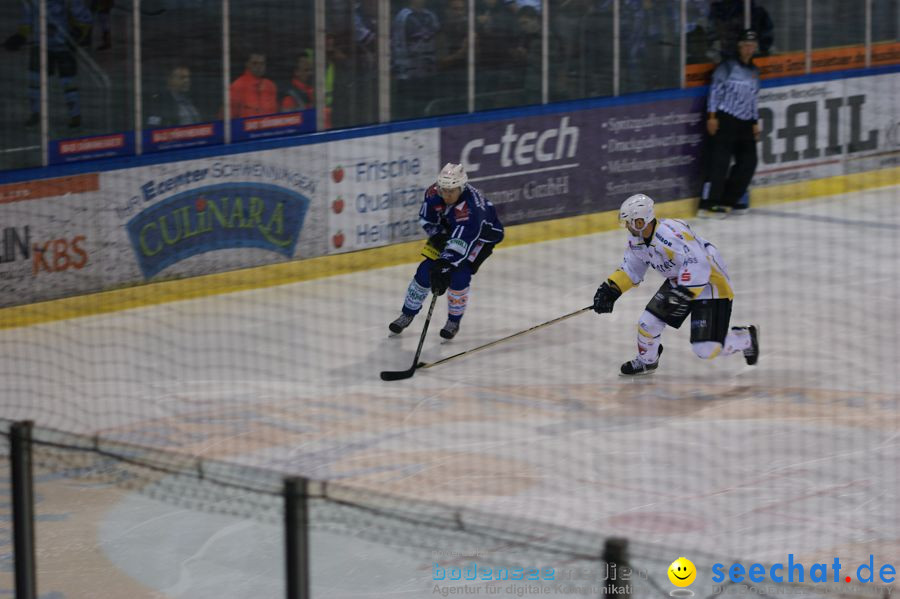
(734,139)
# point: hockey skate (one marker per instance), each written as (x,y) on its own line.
(450,329)
(636,367)
(716,212)
(401,323)
(751,354)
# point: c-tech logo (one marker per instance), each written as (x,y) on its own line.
(518,148)
(793,571)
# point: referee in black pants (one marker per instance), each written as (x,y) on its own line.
(733,128)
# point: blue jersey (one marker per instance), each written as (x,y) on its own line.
(62,15)
(471,223)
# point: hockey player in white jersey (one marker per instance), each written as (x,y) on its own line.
(696,283)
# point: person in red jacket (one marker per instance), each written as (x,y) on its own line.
(301,94)
(251,93)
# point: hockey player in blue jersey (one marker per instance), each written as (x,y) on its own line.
(463,229)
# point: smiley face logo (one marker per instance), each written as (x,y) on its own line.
(682,572)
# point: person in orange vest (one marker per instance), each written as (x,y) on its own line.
(251,93)
(301,94)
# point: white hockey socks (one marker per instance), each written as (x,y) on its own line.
(415,296)
(457,300)
(649,331)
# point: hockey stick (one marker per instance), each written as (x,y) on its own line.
(397,375)
(493,343)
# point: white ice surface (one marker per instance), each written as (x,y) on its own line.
(799,454)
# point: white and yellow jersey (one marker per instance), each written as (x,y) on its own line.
(679,255)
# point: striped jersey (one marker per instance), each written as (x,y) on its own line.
(735,90)
(679,255)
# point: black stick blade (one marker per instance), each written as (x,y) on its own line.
(397,375)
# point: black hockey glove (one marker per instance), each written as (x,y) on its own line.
(14,42)
(606,296)
(441,272)
(438,241)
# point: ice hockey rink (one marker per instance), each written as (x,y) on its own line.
(798,455)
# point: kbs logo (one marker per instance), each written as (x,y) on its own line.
(58,255)
(55,255)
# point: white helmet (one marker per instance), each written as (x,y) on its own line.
(635,207)
(452,176)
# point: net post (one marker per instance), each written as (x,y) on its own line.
(296,536)
(615,554)
(20,457)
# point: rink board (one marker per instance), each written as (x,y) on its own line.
(560,171)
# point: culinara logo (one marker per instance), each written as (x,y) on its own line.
(237,215)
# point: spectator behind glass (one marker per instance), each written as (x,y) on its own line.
(101,10)
(595,39)
(251,93)
(494,35)
(453,54)
(641,39)
(697,32)
(351,51)
(565,21)
(365,64)
(173,106)
(414,52)
(68,22)
(300,94)
(525,67)
(726,21)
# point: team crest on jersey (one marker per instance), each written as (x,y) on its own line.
(461,212)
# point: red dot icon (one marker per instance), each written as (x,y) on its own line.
(848,579)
